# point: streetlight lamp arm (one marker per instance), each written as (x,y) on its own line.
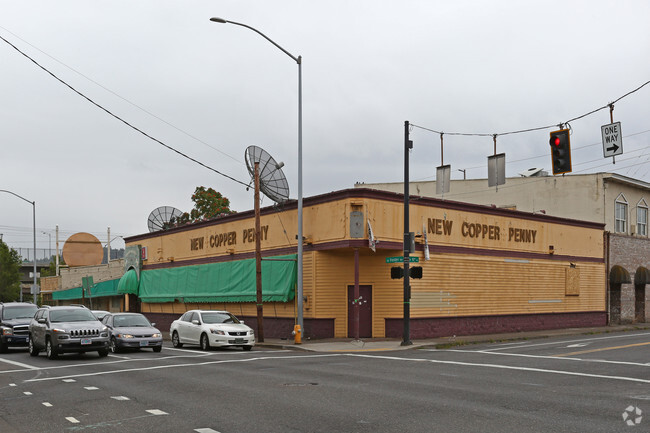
(20,197)
(222,21)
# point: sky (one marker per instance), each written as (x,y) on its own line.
(210,90)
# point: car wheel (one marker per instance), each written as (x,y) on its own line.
(205,343)
(50,350)
(33,351)
(247,348)
(102,352)
(113,345)
(157,348)
(176,342)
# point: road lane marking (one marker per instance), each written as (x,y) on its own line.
(602,349)
(504,367)
(91,388)
(205,430)
(19,364)
(525,346)
(27,393)
(157,412)
(523,355)
(27,367)
(121,398)
(198,364)
(47,404)
(72,419)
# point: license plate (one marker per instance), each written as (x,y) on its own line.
(144,343)
(239,340)
(85,341)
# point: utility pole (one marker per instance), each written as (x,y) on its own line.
(408,145)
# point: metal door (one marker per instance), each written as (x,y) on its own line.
(364,306)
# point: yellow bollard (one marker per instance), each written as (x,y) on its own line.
(297,334)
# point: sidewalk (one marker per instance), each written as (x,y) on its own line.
(377,345)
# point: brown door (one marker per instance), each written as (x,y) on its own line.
(364,306)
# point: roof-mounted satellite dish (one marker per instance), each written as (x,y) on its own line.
(160,218)
(273,183)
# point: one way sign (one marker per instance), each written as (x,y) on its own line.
(612,139)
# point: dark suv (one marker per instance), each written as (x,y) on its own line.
(14,324)
(66,329)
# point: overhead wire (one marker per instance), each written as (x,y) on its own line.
(469,134)
(123,98)
(118,117)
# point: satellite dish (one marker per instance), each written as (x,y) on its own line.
(273,183)
(160,218)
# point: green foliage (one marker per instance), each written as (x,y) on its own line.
(9,273)
(208,204)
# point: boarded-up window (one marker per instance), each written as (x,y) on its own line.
(572,282)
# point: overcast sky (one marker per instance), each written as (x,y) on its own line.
(210,90)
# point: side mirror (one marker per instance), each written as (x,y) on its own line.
(195,322)
(42,320)
(242,322)
(153,323)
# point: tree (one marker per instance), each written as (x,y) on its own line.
(208,204)
(9,273)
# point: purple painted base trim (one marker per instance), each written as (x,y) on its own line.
(274,327)
(475,325)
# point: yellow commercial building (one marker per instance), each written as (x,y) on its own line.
(487,269)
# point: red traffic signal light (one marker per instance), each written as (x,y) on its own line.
(560,151)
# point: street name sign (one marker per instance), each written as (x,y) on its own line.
(400,259)
(612,139)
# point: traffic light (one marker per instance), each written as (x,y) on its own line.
(560,151)
(396,272)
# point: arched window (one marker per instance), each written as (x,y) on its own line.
(642,218)
(620,214)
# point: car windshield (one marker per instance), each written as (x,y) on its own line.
(129,320)
(72,315)
(211,318)
(19,312)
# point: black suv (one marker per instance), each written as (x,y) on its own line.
(14,324)
(66,329)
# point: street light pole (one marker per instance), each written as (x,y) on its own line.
(298,60)
(33,203)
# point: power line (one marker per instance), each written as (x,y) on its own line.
(123,98)
(469,134)
(119,118)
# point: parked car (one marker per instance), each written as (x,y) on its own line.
(66,329)
(211,329)
(132,330)
(100,314)
(14,324)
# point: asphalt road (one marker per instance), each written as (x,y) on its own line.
(596,383)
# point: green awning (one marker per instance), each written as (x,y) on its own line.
(67,295)
(128,283)
(221,282)
(105,288)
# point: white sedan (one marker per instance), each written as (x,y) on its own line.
(209,328)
